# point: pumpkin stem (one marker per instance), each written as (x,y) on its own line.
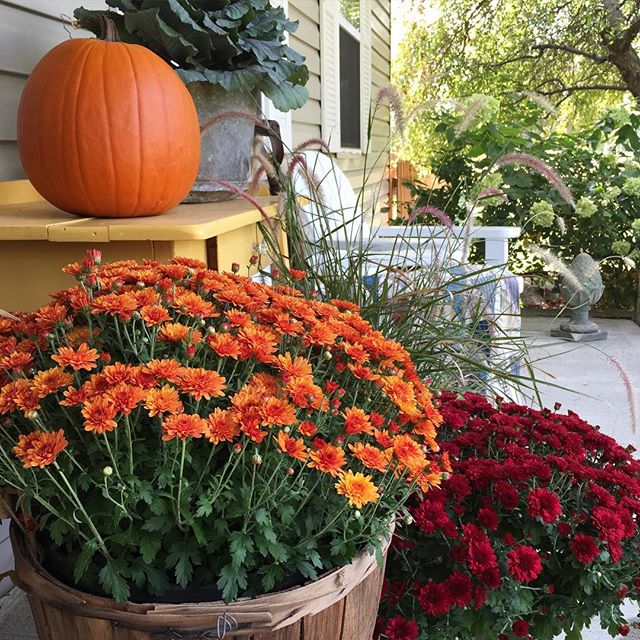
(100,23)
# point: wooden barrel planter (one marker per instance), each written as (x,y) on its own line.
(341,605)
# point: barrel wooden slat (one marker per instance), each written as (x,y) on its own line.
(324,623)
(358,622)
(292,632)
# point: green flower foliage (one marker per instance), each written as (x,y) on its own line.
(597,163)
(236,44)
(542,213)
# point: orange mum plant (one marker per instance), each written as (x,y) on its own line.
(166,426)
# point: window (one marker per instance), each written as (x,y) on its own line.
(349,89)
(345,27)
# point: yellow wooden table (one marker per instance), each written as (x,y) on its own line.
(37,239)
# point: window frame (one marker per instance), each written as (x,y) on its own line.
(331,21)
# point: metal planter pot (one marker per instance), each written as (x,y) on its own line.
(226,146)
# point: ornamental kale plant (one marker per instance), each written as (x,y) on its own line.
(598,163)
(236,44)
(535,532)
(167,425)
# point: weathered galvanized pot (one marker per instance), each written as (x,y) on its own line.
(226,145)
(342,605)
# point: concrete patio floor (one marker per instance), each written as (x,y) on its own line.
(593,388)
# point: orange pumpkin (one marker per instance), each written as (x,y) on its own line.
(108,129)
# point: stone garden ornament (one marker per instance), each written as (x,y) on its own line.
(581,288)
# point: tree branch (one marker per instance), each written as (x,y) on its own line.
(569,49)
(587,87)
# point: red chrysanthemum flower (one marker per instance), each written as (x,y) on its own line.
(524,563)
(460,588)
(584,548)
(399,628)
(520,628)
(544,505)
(488,518)
(435,599)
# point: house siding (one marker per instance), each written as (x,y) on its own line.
(307,122)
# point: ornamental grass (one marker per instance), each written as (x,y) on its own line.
(535,533)
(166,425)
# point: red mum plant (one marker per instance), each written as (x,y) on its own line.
(535,532)
(169,426)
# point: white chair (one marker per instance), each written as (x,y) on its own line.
(332,213)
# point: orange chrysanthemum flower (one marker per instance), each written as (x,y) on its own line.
(50,380)
(356,352)
(183,426)
(116,304)
(297,367)
(401,394)
(383,438)
(154,314)
(224,344)
(99,414)
(356,421)
(193,305)
(328,459)
(18,394)
(293,447)
(258,342)
(370,456)
(40,448)
(237,318)
(221,426)
(305,394)
(74,397)
(307,428)
(201,383)
(16,361)
(275,411)
(173,332)
(357,488)
(321,335)
(159,370)
(125,397)
(119,373)
(362,372)
(146,297)
(163,400)
(409,453)
(81,358)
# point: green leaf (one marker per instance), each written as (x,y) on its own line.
(84,560)
(240,545)
(205,506)
(272,575)
(159,36)
(149,547)
(285,96)
(112,580)
(158,524)
(231,580)
(156,580)
(58,530)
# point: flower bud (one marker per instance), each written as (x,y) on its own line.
(211,330)
(290,471)
(256,459)
(31,415)
(408,519)
(357,515)
(237,447)
(235,267)
(140,284)
(253,259)
(107,472)
(327,355)
(287,429)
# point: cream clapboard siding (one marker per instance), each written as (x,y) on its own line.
(28,29)
(307,122)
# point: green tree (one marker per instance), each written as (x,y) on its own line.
(579,54)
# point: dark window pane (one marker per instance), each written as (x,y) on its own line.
(349,90)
